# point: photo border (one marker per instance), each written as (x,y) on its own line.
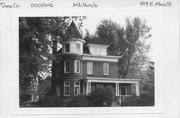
(158,108)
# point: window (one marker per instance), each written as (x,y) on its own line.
(95,50)
(66,66)
(78,47)
(123,90)
(100,50)
(76,66)
(76,88)
(66,88)
(67,47)
(105,68)
(89,67)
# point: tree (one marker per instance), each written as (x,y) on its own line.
(113,34)
(148,80)
(128,42)
(36,35)
(101,96)
(136,55)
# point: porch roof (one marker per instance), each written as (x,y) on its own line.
(111,80)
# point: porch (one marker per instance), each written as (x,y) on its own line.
(123,88)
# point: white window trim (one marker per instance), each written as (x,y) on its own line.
(125,90)
(92,68)
(66,86)
(65,66)
(75,66)
(75,89)
(103,69)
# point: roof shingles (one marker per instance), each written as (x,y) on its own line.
(73,32)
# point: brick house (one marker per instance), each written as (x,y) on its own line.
(80,66)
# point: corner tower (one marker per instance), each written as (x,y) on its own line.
(69,69)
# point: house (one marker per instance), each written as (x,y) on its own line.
(81,66)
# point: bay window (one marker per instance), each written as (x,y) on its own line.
(76,66)
(66,66)
(76,88)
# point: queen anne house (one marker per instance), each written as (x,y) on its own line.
(81,66)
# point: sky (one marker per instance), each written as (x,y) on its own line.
(153,17)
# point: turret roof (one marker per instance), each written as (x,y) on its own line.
(73,32)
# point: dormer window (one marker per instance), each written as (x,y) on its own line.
(98,49)
(67,47)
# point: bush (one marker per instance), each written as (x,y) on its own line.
(79,101)
(143,100)
(50,101)
(101,96)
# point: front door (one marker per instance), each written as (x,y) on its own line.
(123,90)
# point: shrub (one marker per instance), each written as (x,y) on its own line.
(143,100)
(50,101)
(101,96)
(79,101)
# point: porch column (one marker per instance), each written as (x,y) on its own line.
(117,89)
(84,88)
(137,88)
(88,88)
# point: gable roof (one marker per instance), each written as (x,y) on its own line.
(73,32)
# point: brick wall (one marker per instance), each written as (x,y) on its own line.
(98,69)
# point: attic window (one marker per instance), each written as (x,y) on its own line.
(67,47)
(78,47)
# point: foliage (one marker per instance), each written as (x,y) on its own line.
(112,33)
(143,100)
(147,83)
(50,101)
(101,96)
(35,45)
(79,101)
(128,42)
(23,98)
